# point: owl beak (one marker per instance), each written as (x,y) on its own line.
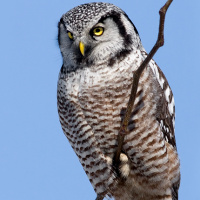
(82,48)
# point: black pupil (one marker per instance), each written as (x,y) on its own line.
(98,30)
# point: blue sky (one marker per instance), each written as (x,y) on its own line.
(36,160)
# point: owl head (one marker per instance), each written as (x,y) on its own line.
(96,33)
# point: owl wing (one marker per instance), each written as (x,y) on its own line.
(175,191)
(166,106)
(166,118)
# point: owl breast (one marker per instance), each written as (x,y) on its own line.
(92,103)
(103,98)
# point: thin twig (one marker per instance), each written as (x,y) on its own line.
(160,42)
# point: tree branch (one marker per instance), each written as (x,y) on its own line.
(160,42)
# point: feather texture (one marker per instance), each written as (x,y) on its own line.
(92,97)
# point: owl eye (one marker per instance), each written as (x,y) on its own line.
(70,35)
(98,31)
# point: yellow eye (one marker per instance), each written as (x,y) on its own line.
(70,35)
(98,31)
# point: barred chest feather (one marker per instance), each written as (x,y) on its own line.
(91,105)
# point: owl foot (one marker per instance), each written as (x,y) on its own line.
(121,167)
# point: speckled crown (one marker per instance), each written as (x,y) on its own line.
(80,16)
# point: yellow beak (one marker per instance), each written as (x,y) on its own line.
(82,48)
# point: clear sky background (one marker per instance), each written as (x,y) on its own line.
(36,160)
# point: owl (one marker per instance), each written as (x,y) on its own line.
(101,50)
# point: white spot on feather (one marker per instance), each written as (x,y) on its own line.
(171,106)
(162,81)
(156,72)
(167,93)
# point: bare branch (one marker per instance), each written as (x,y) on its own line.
(160,42)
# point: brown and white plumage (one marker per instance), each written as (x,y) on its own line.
(93,91)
